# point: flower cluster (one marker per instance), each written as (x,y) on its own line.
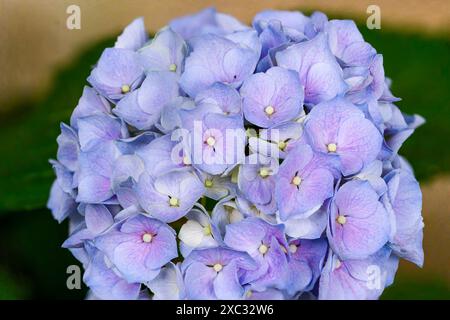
(222,161)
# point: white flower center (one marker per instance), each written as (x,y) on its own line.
(125,88)
(173,67)
(269,110)
(174,202)
(147,237)
(282,145)
(264,172)
(186,161)
(341,219)
(211,141)
(332,147)
(207,230)
(217,267)
(263,249)
(293,248)
(208,183)
(337,264)
(296,180)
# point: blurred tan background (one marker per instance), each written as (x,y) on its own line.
(35,42)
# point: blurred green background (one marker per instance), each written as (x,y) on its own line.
(32,264)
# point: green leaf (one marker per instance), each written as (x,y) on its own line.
(10,287)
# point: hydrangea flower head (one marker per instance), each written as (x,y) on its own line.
(218,160)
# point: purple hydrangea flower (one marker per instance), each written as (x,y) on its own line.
(169,284)
(276,141)
(293,23)
(318,70)
(347,43)
(267,245)
(357,279)
(166,52)
(224,161)
(307,258)
(308,226)
(170,196)
(142,108)
(359,224)
(91,103)
(339,130)
(217,143)
(223,96)
(404,202)
(207,21)
(60,203)
(303,184)
(197,232)
(138,247)
(160,157)
(225,212)
(256,180)
(95,174)
(98,218)
(217,59)
(117,73)
(105,283)
(216,273)
(272,98)
(100,129)
(216,187)
(133,36)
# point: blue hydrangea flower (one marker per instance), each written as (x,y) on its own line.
(217,59)
(357,279)
(339,130)
(293,23)
(267,245)
(142,107)
(166,52)
(90,103)
(95,174)
(303,184)
(276,141)
(60,203)
(138,247)
(309,226)
(100,129)
(117,73)
(207,21)
(133,36)
(223,96)
(307,257)
(272,98)
(105,283)
(347,43)
(197,232)
(404,202)
(318,70)
(359,224)
(217,160)
(211,140)
(216,273)
(169,284)
(256,180)
(170,196)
